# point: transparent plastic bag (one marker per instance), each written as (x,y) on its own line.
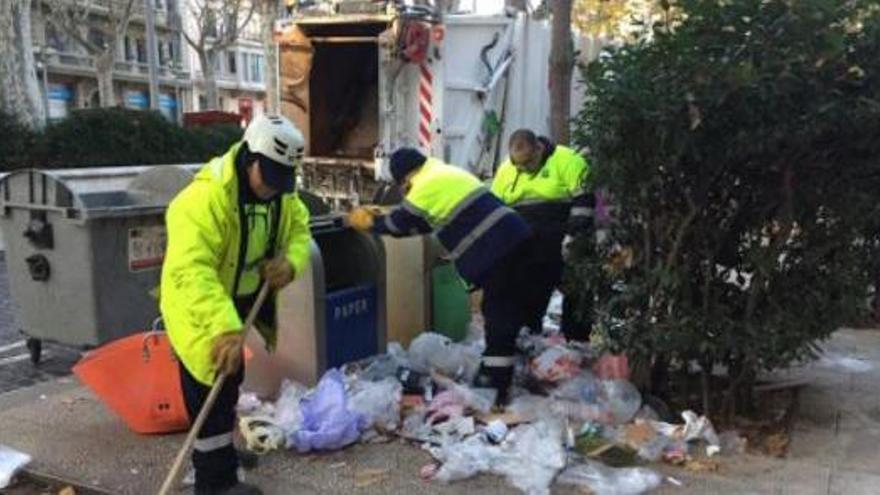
(621,399)
(288,414)
(582,388)
(379,402)
(462,460)
(604,480)
(533,457)
(432,351)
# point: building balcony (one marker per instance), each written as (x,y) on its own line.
(78,64)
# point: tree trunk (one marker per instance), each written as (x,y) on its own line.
(212,97)
(561,65)
(268,15)
(104,69)
(20,93)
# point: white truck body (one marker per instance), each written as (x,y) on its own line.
(344,81)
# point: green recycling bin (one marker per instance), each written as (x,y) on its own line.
(451,309)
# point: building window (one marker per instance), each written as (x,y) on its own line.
(230,60)
(55,38)
(130,52)
(97,37)
(254,66)
(141,46)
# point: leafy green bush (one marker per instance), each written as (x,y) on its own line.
(112,136)
(741,151)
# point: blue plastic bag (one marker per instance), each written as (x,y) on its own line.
(327,422)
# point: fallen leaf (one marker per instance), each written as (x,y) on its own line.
(702,466)
(777,444)
(638,434)
(367,477)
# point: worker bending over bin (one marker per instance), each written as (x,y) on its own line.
(239,223)
(487,241)
(546,183)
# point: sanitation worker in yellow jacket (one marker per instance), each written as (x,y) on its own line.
(239,223)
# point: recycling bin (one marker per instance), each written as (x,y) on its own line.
(332,314)
(84,250)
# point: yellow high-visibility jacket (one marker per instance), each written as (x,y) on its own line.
(200,267)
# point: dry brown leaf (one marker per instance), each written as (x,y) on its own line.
(638,434)
(367,477)
(777,444)
(702,466)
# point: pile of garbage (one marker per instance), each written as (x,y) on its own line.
(574,418)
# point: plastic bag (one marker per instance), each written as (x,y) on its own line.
(462,460)
(385,365)
(556,364)
(327,422)
(288,414)
(378,402)
(11,461)
(695,428)
(478,399)
(432,351)
(582,388)
(532,407)
(604,480)
(534,457)
(621,399)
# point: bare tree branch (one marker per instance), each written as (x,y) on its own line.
(122,22)
(68,16)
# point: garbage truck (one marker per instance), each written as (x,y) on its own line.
(363,78)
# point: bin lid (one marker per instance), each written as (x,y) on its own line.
(97,192)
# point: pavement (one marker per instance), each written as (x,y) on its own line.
(833,449)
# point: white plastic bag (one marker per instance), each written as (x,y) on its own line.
(432,351)
(379,402)
(533,457)
(604,480)
(462,460)
(11,461)
(695,428)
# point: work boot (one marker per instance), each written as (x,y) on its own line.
(236,489)
(247,459)
(498,378)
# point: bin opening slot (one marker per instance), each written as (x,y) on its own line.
(349,259)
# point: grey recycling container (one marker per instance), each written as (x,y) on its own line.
(84,250)
(332,314)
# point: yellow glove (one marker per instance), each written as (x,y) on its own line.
(361,218)
(226,352)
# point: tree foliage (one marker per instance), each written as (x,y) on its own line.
(741,153)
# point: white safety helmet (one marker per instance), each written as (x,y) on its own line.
(277,139)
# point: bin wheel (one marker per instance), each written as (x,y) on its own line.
(35,346)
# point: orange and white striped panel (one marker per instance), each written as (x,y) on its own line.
(426,93)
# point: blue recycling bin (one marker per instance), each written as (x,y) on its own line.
(334,313)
